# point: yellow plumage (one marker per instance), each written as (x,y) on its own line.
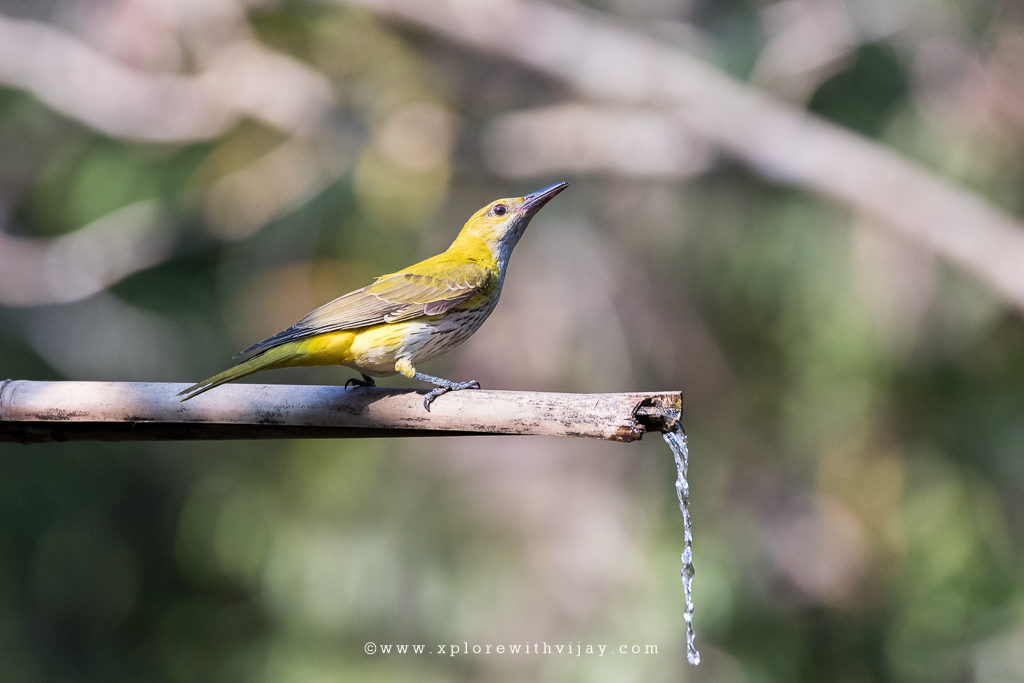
(405,317)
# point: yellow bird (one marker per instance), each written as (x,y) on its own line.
(404,318)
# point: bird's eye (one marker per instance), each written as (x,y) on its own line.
(499,210)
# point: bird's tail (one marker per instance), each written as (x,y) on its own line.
(276,357)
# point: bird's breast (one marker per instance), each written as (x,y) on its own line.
(436,335)
(376,349)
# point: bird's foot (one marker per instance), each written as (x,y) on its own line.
(366,381)
(443,387)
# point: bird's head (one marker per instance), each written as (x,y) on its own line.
(501,223)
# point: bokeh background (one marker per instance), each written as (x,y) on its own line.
(180,179)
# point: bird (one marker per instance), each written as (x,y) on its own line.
(407,317)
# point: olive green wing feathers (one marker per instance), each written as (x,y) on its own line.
(429,288)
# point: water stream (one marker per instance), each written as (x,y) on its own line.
(676,440)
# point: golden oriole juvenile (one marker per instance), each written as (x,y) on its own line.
(407,317)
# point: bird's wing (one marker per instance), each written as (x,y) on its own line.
(400,296)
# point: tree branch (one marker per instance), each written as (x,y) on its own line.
(242,78)
(33,412)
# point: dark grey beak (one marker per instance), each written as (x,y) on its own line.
(535,200)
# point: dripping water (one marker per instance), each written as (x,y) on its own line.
(676,440)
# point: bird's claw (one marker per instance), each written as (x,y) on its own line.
(451,386)
(365,381)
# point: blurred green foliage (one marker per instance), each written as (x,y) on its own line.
(854,406)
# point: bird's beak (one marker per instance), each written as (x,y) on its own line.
(533,201)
